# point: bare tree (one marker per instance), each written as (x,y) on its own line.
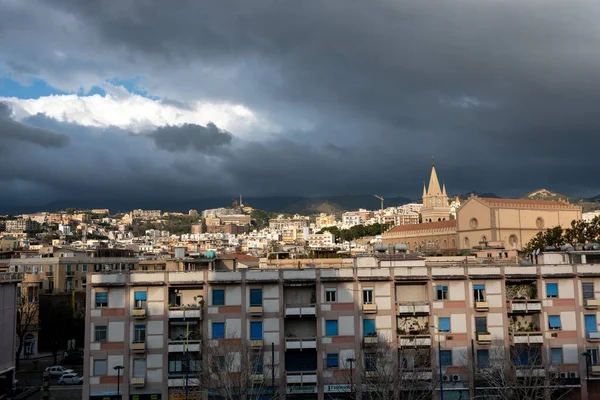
(391,373)
(27,318)
(518,372)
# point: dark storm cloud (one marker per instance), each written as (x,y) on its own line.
(12,131)
(503,94)
(190,137)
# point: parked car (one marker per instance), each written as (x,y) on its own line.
(70,379)
(58,370)
(72,359)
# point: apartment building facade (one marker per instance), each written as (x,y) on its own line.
(8,324)
(316,333)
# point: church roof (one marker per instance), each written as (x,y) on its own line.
(496,202)
(426,225)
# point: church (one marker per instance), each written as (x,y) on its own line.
(479,222)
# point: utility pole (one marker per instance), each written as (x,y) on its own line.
(351,361)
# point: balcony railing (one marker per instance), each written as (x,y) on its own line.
(188,311)
(593,336)
(415,340)
(526,337)
(595,369)
(482,305)
(301,377)
(300,343)
(138,346)
(300,310)
(139,313)
(591,304)
(255,310)
(483,337)
(138,381)
(179,345)
(369,308)
(525,306)
(414,308)
(370,340)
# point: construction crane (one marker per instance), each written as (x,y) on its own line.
(380,198)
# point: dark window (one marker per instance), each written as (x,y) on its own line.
(483,358)
(218,297)
(333,360)
(101,299)
(218,330)
(256,297)
(479,292)
(370,361)
(446,358)
(480,324)
(100,334)
(441,292)
(588,290)
(257,363)
(256,330)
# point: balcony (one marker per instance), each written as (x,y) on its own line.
(593,336)
(300,310)
(595,370)
(138,347)
(526,337)
(417,375)
(416,308)
(369,308)
(296,343)
(415,340)
(482,306)
(49,274)
(255,311)
(532,371)
(178,380)
(370,340)
(180,345)
(138,381)
(256,343)
(70,274)
(257,378)
(483,337)
(182,312)
(371,374)
(138,313)
(301,378)
(524,306)
(591,304)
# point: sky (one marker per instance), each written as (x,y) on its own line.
(136,99)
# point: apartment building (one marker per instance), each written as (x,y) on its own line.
(296,221)
(329,331)
(8,337)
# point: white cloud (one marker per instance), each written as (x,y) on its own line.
(136,113)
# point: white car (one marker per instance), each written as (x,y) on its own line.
(70,378)
(58,370)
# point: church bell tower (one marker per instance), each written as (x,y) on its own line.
(435,201)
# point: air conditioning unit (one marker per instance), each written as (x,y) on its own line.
(11,268)
(445,378)
(455,378)
(564,375)
(573,374)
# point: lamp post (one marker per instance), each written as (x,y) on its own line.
(587,357)
(440,362)
(351,361)
(118,368)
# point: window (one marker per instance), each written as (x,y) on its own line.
(331,327)
(99,367)
(590,324)
(479,292)
(480,324)
(84,268)
(369,327)
(218,297)
(218,364)
(178,363)
(588,290)
(441,292)
(330,295)
(101,299)
(140,299)
(483,358)
(367,296)
(256,330)
(593,352)
(218,330)
(256,298)
(257,363)
(100,334)
(333,360)
(556,355)
(76,267)
(554,322)
(42,270)
(139,367)
(446,358)
(139,333)
(370,361)
(551,289)
(444,324)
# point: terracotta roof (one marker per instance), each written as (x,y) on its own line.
(525,203)
(427,225)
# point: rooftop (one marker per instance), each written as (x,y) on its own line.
(428,225)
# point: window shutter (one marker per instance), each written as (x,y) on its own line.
(139,367)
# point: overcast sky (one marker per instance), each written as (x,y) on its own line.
(207,98)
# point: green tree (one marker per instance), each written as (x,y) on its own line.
(551,237)
(59,323)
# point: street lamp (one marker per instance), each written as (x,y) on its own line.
(440,362)
(351,361)
(118,368)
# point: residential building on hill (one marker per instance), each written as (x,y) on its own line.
(313,333)
(281,222)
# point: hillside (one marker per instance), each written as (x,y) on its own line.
(545,194)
